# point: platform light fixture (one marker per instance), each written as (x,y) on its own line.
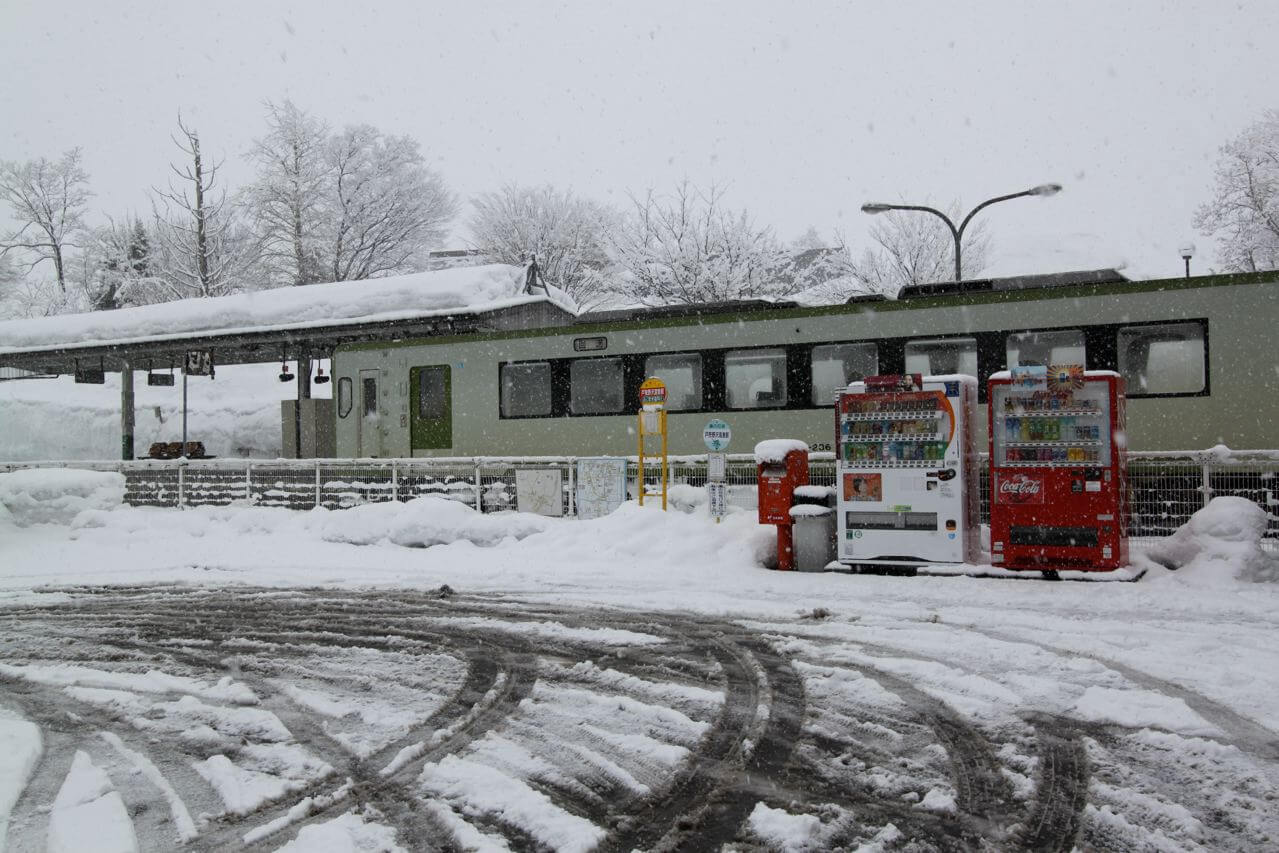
(285,376)
(1187,252)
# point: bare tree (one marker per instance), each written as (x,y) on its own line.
(688,248)
(567,235)
(1243,212)
(917,248)
(202,248)
(47,199)
(290,199)
(389,208)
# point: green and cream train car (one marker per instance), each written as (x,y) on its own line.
(1198,354)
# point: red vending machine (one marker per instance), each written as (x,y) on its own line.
(1059,497)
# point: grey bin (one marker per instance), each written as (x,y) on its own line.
(814,532)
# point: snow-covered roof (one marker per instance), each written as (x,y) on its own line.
(454,292)
(772,450)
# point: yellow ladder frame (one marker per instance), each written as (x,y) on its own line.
(644,456)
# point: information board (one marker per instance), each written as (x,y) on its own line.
(601,485)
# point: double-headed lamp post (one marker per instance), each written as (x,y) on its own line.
(958,233)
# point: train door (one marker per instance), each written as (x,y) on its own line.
(369,424)
(431,407)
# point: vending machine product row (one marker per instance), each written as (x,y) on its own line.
(906,471)
(1058,476)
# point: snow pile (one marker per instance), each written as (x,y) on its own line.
(1141,709)
(686,498)
(20,748)
(782,830)
(775,449)
(56,495)
(349,833)
(1220,543)
(89,814)
(447,292)
(426,521)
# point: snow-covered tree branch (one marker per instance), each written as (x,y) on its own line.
(1243,212)
(688,247)
(567,234)
(202,249)
(47,199)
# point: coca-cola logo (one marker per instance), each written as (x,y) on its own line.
(1021,489)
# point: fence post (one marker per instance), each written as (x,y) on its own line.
(479,490)
(317,484)
(572,488)
(248,482)
(1205,482)
(395,483)
(182,485)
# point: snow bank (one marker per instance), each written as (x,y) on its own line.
(56,495)
(1220,544)
(89,814)
(20,749)
(775,449)
(236,414)
(425,521)
(445,292)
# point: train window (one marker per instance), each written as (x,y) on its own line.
(939,356)
(344,396)
(755,379)
(1164,358)
(432,392)
(1059,346)
(596,386)
(835,365)
(370,396)
(682,373)
(526,389)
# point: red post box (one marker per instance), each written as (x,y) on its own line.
(782,465)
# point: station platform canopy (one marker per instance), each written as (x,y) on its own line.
(288,322)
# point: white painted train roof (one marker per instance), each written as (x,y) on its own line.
(459,291)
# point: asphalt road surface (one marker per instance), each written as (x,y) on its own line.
(545,727)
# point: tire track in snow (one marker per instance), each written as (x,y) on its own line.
(1062,792)
(1250,736)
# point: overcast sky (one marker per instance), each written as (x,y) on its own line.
(803,110)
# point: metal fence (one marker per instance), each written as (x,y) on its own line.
(1164,488)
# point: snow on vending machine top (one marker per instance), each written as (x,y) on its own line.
(906,471)
(1059,494)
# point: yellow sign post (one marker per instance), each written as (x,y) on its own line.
(652,425)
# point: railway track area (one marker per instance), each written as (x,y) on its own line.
(251,719)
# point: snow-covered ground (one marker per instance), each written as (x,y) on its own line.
(416,676)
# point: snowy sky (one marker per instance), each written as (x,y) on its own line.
(804,112)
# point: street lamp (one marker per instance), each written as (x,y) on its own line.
(958,233)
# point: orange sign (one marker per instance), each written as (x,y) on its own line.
(652,392)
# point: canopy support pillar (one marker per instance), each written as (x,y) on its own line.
(126,411)
(304,393)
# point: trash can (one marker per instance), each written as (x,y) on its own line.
(813,520)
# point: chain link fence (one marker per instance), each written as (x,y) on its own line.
(1165,488)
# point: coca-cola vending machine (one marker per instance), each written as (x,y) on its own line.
(906,471)
(1059,494)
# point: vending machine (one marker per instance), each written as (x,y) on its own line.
(906,471)
(1059,496)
